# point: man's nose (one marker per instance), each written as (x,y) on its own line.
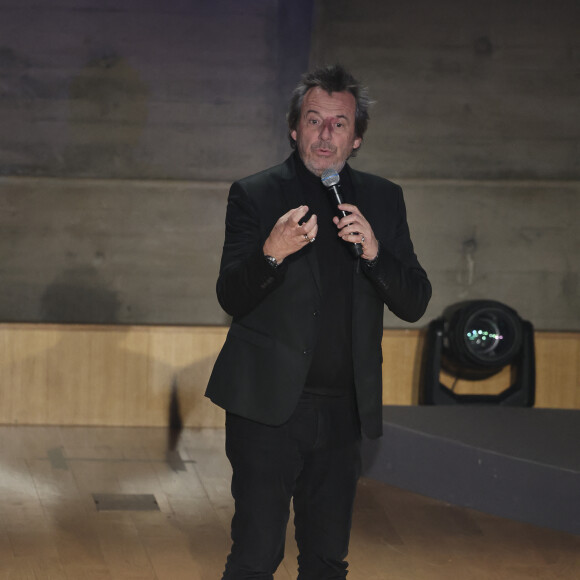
(326,130)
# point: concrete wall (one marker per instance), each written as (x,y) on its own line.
(123,123)
(133,117)
(148,88)
(477,115)
(464,89)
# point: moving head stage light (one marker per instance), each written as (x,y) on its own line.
(473,341)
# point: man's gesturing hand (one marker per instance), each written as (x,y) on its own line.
(288,236)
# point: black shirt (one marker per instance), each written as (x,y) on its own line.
(331,370)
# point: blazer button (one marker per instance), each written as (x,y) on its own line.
(316,313)
(307,351)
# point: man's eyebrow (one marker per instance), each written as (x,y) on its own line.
(335,116)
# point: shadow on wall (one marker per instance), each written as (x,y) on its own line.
(106,380)
(79,295)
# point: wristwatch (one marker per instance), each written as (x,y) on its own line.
(272,262)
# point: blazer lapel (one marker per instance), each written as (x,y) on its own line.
(358,199)
(293,195)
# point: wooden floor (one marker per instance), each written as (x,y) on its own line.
(52,529)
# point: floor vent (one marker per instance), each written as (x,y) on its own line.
(125,502)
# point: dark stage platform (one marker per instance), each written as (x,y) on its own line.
(518,463)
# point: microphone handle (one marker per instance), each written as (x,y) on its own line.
(356,248)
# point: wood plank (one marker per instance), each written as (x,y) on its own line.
(123,375)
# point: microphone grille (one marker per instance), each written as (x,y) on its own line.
(330,177)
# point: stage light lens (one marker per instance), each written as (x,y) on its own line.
(491,335)
(484,335)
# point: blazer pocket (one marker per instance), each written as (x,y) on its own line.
(251,336)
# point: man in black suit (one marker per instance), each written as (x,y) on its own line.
(300,372)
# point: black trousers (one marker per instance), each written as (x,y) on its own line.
(314,458)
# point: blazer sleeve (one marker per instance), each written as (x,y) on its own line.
(397,276)
(245,278)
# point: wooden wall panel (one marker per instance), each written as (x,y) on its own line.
(120,375)
(558,370)
(401,366)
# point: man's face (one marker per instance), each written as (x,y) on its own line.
(325,134)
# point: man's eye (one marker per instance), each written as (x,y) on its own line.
(313,121)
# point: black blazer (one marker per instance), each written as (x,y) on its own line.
(261,369)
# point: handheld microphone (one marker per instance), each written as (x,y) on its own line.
(331,180)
